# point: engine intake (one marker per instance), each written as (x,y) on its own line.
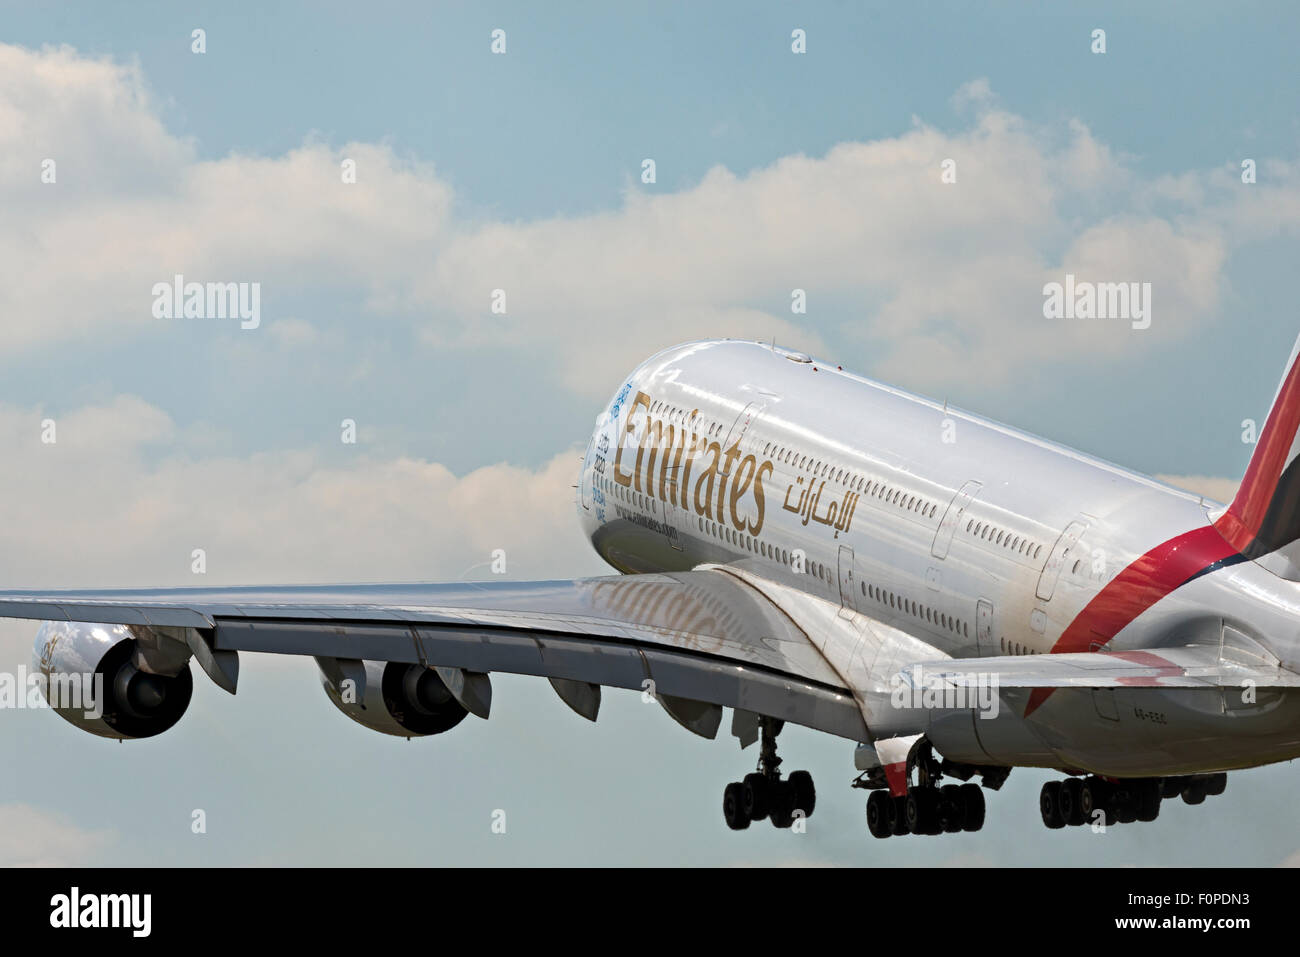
(404,700)
(92,678)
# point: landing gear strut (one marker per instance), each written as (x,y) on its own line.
(763,794)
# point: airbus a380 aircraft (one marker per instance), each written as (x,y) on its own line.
(801,544)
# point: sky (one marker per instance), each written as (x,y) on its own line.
(522,171)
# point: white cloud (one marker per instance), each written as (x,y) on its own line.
(103,506)
(132,206)
(934,280)
(32,837)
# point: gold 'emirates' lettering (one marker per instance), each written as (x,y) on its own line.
(729,492)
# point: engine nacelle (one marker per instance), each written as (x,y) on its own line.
(92,678)
(405,700)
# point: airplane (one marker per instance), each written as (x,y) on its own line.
(797,543)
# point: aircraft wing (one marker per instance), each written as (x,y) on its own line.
(1189,666)
(698,639)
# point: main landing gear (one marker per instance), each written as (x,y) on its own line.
(929,807)
(764,794)
(1098,800)
(926,810)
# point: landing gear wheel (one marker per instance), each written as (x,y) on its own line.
(1094,796)
(1072,802)
(1148,801)
(755,796)
(1215,784)
(733,806)
(1126,811)
(973,798)
(898,816)
(780,806)
(1194,793)
(931,805)
(1049,805)
(922,812)
(913,812)
(952,809)
(879,806)
(805,795)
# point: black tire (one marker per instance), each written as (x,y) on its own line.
(973,798)
(1171,787)
(1194,793)
(878,814)
(1148,801)
(780,803)
(930,804)
(1049,805)
(922,811)
(1126,810)
(733,806)
(1215,784)
(898,816)
(755,798)
(805,795)
(952,809)
(1072,801)
(915,812)
(1094,796)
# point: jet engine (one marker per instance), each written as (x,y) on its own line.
(406,700)
(93,677)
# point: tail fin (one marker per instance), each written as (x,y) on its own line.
(1263,521)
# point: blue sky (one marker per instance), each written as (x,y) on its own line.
(557,128)
(775,171)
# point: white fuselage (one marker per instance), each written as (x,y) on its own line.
(974,537)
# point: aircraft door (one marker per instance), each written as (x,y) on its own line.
(743,421)
(848,579)
(676,516)
(1061,551)
(952,518)
(984,627)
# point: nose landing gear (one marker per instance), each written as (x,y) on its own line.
(764,794)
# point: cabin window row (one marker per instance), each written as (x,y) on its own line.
(762,549)
(853,482)
(1015,648)
(916,609)
(988,532)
